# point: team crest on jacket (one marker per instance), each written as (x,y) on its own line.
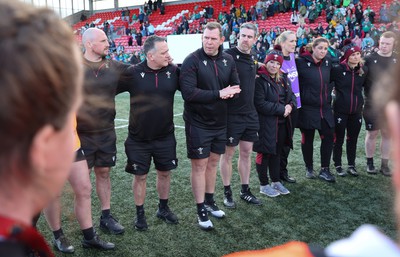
(142,74)
(344,73)
(394,60)
(309,64)
(326,62)
(224,61)
(237,56)
(375,61)
(168,74)
(205,63)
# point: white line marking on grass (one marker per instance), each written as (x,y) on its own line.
(125,126)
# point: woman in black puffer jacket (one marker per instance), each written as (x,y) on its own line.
(274,101)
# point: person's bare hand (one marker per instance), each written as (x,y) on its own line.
(229,92)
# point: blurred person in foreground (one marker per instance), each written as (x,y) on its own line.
(367,240)
(41,83)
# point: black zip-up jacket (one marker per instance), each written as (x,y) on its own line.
(201,79)
(270,99)
(246,68)
(349,84)
(152,101)
(97,112)
(315,92)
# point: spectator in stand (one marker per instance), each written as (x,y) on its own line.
(294,18)
(302,41)
(349,78)
(260,51)
(150,29)
(316,112)
(162,9)
(232,39)
(139,38)
(359,13)
(130,40)
(367,42)
(300,30)
(334,52)
(357,41)
(366,25)
(384,14)
(394,9)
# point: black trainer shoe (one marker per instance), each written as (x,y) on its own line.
(228,200)
(371,169)
(249,197)
(63,245)
(203,220)
(310,174)
(167,215)
(352,171)
(288,178)
(140,222)
(340,171)
(96,242)
(111,225)
(214,210)
(385,170)
(326,175)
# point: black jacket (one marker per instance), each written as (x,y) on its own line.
(270,99)
(152,100)
(201,79)
(315,92)
(349,84)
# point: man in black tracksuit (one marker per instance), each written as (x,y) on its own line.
(152,85)
(208,77)
(378,62)
(349,79)
(316,111)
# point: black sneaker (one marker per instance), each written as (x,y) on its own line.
(63,245)
(352,171)
(371,169)
(310,174)
(167,215)
(203,220)
(140,222)
(214,210)
(340,171)
(287,178)
(228,200)
(326,175)
(385,170)
(249,197)
(96,242)
(111,225)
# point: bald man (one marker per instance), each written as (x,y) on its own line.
(96,127)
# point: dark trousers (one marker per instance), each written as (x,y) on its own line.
(270,162)
(286,149)
(352,124)
(307,144)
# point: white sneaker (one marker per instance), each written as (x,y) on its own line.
(213,209)
(280,188)
(268,191)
